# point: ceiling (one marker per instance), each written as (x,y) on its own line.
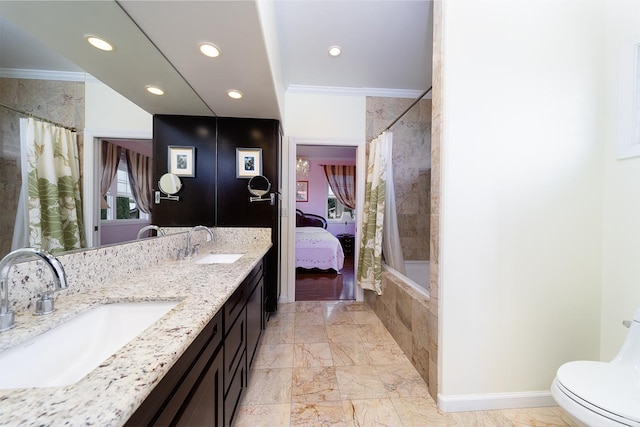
(268,48)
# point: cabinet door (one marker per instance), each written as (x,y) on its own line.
(235,345)
(175,391)
(236,390)
(254,321)
(205,407)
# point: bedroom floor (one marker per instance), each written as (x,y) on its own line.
(316,285)
(335,364)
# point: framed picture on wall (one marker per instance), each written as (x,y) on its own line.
(248,162)
(182,160)
(302,191)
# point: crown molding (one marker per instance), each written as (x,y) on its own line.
(353,91)
(67,76)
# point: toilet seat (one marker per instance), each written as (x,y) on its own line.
(616,392)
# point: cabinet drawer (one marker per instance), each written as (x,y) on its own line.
(254,277)
(235,343)
(234,306)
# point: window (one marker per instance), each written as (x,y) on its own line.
(336,211)
(119,198)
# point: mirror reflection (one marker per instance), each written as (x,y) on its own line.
(170,183)
(259,186)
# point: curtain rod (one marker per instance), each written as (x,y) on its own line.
(406,111)
(26,113)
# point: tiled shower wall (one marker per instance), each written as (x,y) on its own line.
(411,167)
(58,101)
(409,315)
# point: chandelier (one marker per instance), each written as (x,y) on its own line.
(302,166)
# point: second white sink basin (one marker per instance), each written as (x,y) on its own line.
(218,259)
(66,353)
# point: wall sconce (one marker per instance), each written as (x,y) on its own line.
(302,166)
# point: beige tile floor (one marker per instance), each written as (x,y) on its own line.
(335,364)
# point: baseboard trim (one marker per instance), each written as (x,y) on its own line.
(483,402)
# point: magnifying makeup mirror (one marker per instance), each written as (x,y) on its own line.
(169,184)
(259,186)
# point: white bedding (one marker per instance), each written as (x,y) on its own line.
(317,248)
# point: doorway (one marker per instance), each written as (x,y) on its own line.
(92,173)
(311,194)
(120,216)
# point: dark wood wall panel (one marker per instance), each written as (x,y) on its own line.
(235,210)
(198,194)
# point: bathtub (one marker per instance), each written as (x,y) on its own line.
(405,308)
(417,275)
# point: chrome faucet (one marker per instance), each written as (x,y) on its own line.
(45,304)
(159,231)
(189,250)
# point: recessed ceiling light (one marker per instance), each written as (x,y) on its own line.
(335,50)
(99,43)
(235,94)
(210,50)
(155,90)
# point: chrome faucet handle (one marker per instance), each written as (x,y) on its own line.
(180,257)
(626,323)
(194,251)
(7,321)
(45,304)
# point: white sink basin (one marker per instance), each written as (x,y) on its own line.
(218,259)
(66,353)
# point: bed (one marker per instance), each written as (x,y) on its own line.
(315,246)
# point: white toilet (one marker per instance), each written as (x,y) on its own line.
(603,394)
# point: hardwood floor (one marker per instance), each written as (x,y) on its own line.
(317,285)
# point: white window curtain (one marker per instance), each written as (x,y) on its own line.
(391,246)
(50,215)
(110,160)
(139,168)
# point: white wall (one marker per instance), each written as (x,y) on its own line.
(314,119)
(107,114)
(325,116)
(522,195)
(621,267)
(107,109)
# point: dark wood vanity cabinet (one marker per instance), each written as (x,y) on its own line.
(206,385)
(243,314)
(192,389)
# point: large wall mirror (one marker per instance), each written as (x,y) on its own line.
(61,97)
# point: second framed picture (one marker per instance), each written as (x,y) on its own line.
(248,162)
(302,191)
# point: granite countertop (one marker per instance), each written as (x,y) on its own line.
(111,393)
